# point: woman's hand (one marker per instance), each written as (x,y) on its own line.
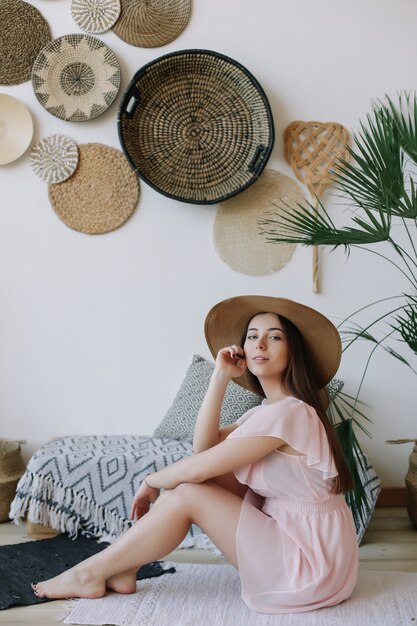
(230,361)
(142,501)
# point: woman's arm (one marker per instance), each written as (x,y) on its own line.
(223,458)
(206,430)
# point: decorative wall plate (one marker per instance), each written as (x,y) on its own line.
(76,77)
(95,16)
(16,128)
(23,33)
(55,158)
(101,194)
(236,230)
(152,23)
(196,126)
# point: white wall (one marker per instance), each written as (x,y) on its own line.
(96,332)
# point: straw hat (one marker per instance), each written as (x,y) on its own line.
(16,128)
(226,322)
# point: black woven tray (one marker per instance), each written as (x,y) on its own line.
(196,126)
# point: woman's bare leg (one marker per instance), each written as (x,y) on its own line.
(212,507)
(231,483)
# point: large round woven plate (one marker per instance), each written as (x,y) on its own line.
(76,77)
(196,126)
(152,23)
(16,128)
(102,193)
(23,33)
(95,16)
(236,230)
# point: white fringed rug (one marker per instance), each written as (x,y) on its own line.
(209,595)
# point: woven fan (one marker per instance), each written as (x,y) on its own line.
(312,149)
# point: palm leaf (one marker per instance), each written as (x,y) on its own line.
(341,412)
(407,326)
(347,408)
(406,123)
(303,225)
(374,179)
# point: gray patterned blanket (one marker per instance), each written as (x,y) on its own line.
(87,483)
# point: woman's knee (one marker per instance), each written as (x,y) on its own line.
(189,492)
(185,490)
(178,494)
(184,495)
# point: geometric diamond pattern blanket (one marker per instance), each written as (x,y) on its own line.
(86,483)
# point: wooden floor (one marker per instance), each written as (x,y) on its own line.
(390,543)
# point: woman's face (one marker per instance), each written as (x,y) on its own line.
(266,347)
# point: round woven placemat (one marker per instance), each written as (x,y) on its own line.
(95,16)
(23,33)
(236,231)
(102,193)
(196,125)
(76,77)
(152,23)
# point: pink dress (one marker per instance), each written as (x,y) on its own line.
(296,541)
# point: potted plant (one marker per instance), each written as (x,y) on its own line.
(379,185)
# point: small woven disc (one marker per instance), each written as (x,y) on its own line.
(16,128)
(76,77)
(102,193)
(152,23)
(95,16)
(23,33)
(55,158)
(236,231)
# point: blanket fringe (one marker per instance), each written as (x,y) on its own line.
(51,504)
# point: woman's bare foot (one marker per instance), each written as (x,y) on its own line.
(74,583)
(122,583)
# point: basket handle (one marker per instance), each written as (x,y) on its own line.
(133,102)
(257,161)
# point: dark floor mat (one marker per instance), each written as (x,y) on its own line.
(24,563)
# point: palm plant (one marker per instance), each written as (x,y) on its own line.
(379,184)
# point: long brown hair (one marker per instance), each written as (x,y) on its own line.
(299,381)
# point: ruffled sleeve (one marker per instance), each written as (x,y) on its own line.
(296,423)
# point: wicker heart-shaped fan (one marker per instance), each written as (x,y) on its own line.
(312,149)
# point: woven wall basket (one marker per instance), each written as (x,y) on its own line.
(11,469)
(23,34)
(196,126)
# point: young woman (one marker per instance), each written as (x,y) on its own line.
(268,489)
